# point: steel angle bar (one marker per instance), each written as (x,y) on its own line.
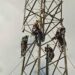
(52,63)
(52,28)
(30,46)
(34,60)
(52,16)
(51,20)
(56,7)
(59,12)
(31,18)
(50,5)
(33,67)
(43,50)
(46,42)
(29,56)
(57,64)
(53,41)
(29,15)
(30,10)
(33,12)
(30,2)
(55,45)
(58,70)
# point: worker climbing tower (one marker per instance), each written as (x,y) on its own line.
(46,53)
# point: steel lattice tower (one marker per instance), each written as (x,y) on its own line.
(49,14)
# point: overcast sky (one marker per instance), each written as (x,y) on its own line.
(11,18)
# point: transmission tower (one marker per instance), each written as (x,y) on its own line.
(36,58)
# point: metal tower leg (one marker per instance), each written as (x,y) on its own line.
(23,66)
(65,61)
(39,55)
(47,63)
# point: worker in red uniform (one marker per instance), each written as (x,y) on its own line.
(50,53)
(60,36)
(24,45)
(35,28)
(36,31)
